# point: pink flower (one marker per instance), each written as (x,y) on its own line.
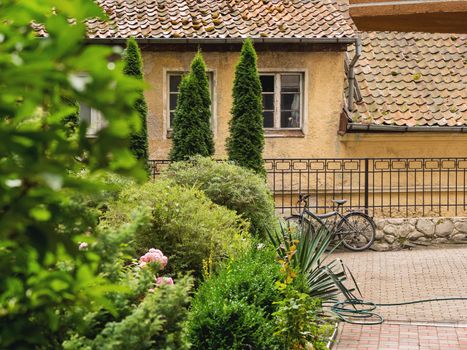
(153,255)
(83,246)
(151,290)
(160,281)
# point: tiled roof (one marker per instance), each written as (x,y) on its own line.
(412,79)
(207,19)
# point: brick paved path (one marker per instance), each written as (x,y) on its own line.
(386,277)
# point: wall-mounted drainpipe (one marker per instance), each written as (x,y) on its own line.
(358,52)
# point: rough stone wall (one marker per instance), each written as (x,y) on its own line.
(394,233)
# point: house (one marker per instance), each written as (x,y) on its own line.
(328,92)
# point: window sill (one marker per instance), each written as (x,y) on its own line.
(280,133)
(283,133)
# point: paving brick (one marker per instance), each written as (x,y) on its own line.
(408,275)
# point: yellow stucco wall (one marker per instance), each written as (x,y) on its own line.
(323,94)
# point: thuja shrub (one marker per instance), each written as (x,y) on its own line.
(246,141)
(183,222)
(133,66)
(192,133)
(229,185)
(233,309)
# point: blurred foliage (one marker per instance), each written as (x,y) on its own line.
(41,272)
(232,186)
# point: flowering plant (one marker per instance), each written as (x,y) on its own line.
(153,256)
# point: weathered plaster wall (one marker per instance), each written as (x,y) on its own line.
(324,79)
(323,90)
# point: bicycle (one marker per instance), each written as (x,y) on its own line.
(356,230)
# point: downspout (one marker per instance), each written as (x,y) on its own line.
(358,52)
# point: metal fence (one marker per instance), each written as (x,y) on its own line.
(397,187)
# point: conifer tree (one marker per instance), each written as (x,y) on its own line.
(192,133)
(133,66)
(246,141)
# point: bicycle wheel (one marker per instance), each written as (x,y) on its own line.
(357,231)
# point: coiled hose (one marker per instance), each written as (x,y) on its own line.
(357,311)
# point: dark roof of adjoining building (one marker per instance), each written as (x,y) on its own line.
(412,79)
(220,19)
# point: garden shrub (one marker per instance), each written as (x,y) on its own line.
(226,184)
(150,313)
(182,222)
(134,67)
(192,132)
(233,309)
(246,140)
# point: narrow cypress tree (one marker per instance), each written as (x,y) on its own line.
(192,134)
(198,70)
(246,141)
(133,66)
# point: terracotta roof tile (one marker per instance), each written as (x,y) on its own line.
(412,79)
(220,19)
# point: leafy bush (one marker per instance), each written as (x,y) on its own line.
(299,322)
(182,222)
(233,309)
(150,313)
(229,185)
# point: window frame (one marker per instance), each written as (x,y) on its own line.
(277,73)
(96,123)
(167,93)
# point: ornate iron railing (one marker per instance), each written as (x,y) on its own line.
(402,187)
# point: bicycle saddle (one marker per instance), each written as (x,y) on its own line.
(339,201)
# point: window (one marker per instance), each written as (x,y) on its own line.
(174,80)
(93,118)
(282,100)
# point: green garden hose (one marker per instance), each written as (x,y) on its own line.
(357,311)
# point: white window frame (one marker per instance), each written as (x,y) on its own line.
(96,123)
(277,96)
(166,96)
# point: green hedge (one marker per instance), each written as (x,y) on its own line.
(232,186)
(233,309)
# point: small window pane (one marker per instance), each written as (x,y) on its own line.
(173,101)
(290,102)
(268,119)
(268,101)
(175,82)
(172,115)
(290,83)
(267,83)
(290,119)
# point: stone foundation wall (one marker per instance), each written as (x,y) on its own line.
(394,233)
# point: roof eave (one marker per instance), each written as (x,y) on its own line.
(336,40)
(354,127)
